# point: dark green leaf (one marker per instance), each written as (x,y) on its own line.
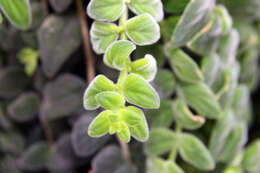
(193,151)
(201,98)
(161,141)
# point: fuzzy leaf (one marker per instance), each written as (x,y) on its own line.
(185,117)
(117,54)
(195,17)
(251,157)
(193,151)
(201,98)
(124,132)
(110,100)
(145,67)
(236,141)
(171,167)
(98,85)
(164,83)
(105,10)
(136,122)
(143,30)
(35,157)
(152,7)
(161,141)
(18,12)
(184,66)
(155,165)
(210,68)
(137,91)
(162,117)
(220,133)
(102,34)
(100,125)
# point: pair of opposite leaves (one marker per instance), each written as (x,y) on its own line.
(134,88)
(142,29)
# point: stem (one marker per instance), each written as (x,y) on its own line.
(124,149)
(175,148)
(45,7)
(90,63)
(122,77)
(122,22)
(124,146)
(47,131)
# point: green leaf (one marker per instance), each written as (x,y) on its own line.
(161,141)
(220,133)
(98,85)
(251,157)
(110,100)
(29,58)
(171,167)
(201,98)
(145,67)
(152,7)
(124,132)
(105,10)
(100,125)
(184,66)
(117,54)
(143,30)
(164,83)
(162,117)
(193,151)
(137,91)
(185,117)
(154,165)
(136,122)
(210,68)
(226,18)
(234,169)
(228,47)
(102,34)
(236,140)
(18,12)
(195,17)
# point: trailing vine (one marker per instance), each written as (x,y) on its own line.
(132,85)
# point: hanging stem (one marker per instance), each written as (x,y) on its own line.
(47,131)
(123,75)
(90,63)
(174,150)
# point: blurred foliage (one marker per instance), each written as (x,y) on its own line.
(44,128)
